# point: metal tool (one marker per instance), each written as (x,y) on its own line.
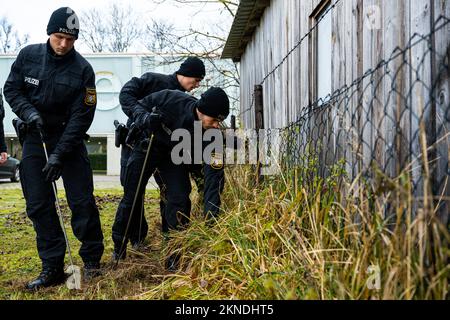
(74,279)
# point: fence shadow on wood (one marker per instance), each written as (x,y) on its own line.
(392,121)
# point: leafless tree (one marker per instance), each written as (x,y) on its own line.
(93,32)
(229,5)
(206,43)
(10,40)
(160,36)
(124,28)
(110,30)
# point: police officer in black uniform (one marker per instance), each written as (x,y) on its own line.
(158,115)
(3,154)
(187,78)
(52,88)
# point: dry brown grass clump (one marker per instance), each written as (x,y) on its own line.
(288,239)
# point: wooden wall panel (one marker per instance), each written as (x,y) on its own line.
(441,94)
(357,48)
(420,79)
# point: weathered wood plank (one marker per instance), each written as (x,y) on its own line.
(357,48)
(403,100)
(368,60)
(393,82)
(420,102)
(441,95)
(353,55)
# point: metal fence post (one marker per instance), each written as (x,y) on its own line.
(259,124)
(233,122)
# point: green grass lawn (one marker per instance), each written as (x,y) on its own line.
(282,239)
(19,261)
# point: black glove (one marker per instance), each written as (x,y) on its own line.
(35,121)
(120,134)
(53,169)
(21,129)
(151,122)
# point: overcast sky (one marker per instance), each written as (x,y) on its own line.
(31,17)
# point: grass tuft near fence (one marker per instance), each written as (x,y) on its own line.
(289,239)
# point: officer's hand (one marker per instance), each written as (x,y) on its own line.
(35,121)
(152,121)
(53,169)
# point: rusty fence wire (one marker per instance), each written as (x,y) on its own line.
(394,120)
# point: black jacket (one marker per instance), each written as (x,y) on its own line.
(177,109)
(138,88)
(61,89)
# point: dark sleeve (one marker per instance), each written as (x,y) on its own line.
(2,132)
(140,111)
(134,90)
(82,113)
(159,100)
(214,184)
(14,90)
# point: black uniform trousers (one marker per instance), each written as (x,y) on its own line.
(213,187)
(136,235)
(176,186)
(40,202)
(161,174)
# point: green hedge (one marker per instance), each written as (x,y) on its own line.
(98,161)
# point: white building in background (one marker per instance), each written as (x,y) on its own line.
(112,72)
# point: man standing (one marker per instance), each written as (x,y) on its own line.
(158,115)
(3,154)
(52,88)
(187,78)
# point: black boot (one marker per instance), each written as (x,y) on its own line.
(47,278)
(91,270)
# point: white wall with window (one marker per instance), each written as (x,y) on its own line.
(112,71)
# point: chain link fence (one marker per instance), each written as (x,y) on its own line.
(391,123)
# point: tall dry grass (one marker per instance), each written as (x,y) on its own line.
(290,238)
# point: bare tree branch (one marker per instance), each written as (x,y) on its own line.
(10,41)
(93,32)
(206,43)
(229,5)
(111,30)
(160,36)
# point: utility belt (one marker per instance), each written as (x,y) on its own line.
(143,145)
(125,136)
(133,137)
(22,130)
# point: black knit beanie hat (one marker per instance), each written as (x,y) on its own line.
(214,103)
(64,20)
(192,67)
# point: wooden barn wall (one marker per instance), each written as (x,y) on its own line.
(356,48)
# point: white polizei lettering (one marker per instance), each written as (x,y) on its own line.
(69,31)
(32,81)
